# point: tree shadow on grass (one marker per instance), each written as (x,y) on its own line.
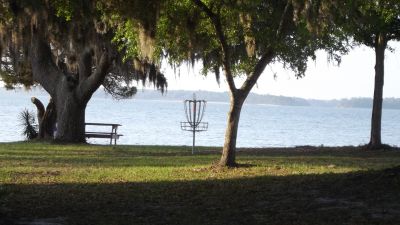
(369,197)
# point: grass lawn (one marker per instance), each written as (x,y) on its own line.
(42,183)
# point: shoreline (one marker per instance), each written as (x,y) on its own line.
(299,148)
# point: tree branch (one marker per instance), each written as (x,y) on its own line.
(93,82)
(85,65)
(224,45)
(281,26)
(40,109)
(267,57)
(44,70)
(258,69)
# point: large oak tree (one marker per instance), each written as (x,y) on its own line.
(69,48)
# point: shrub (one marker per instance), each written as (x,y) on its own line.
(28,123)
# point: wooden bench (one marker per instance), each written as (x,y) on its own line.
(113,135)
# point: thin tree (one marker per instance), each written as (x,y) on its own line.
(373,24)
(242,38)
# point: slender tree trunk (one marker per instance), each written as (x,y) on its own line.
(238,96)
(228,157)
(376,119)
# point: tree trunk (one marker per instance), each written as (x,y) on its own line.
(229,150)
(376,119)
(70,116)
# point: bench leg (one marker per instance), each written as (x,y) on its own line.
(115,139)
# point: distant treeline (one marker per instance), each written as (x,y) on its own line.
(388,103)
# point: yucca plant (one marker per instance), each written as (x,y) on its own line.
(28,123)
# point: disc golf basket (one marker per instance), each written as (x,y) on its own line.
(194,110)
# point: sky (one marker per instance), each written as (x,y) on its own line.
(354,77)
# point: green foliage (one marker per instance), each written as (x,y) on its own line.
(187,34)
(126,38)
(5,14)
(13,78)
(365,20)
(134,22)
(65,8)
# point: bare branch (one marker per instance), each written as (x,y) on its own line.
(281,26)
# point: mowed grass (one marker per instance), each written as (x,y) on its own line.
(90,184)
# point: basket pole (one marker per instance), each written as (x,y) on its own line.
(194,123)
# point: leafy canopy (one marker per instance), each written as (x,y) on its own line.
(365,20)
(71,27)
(183,33)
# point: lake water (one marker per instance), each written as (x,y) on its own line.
(151,122)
